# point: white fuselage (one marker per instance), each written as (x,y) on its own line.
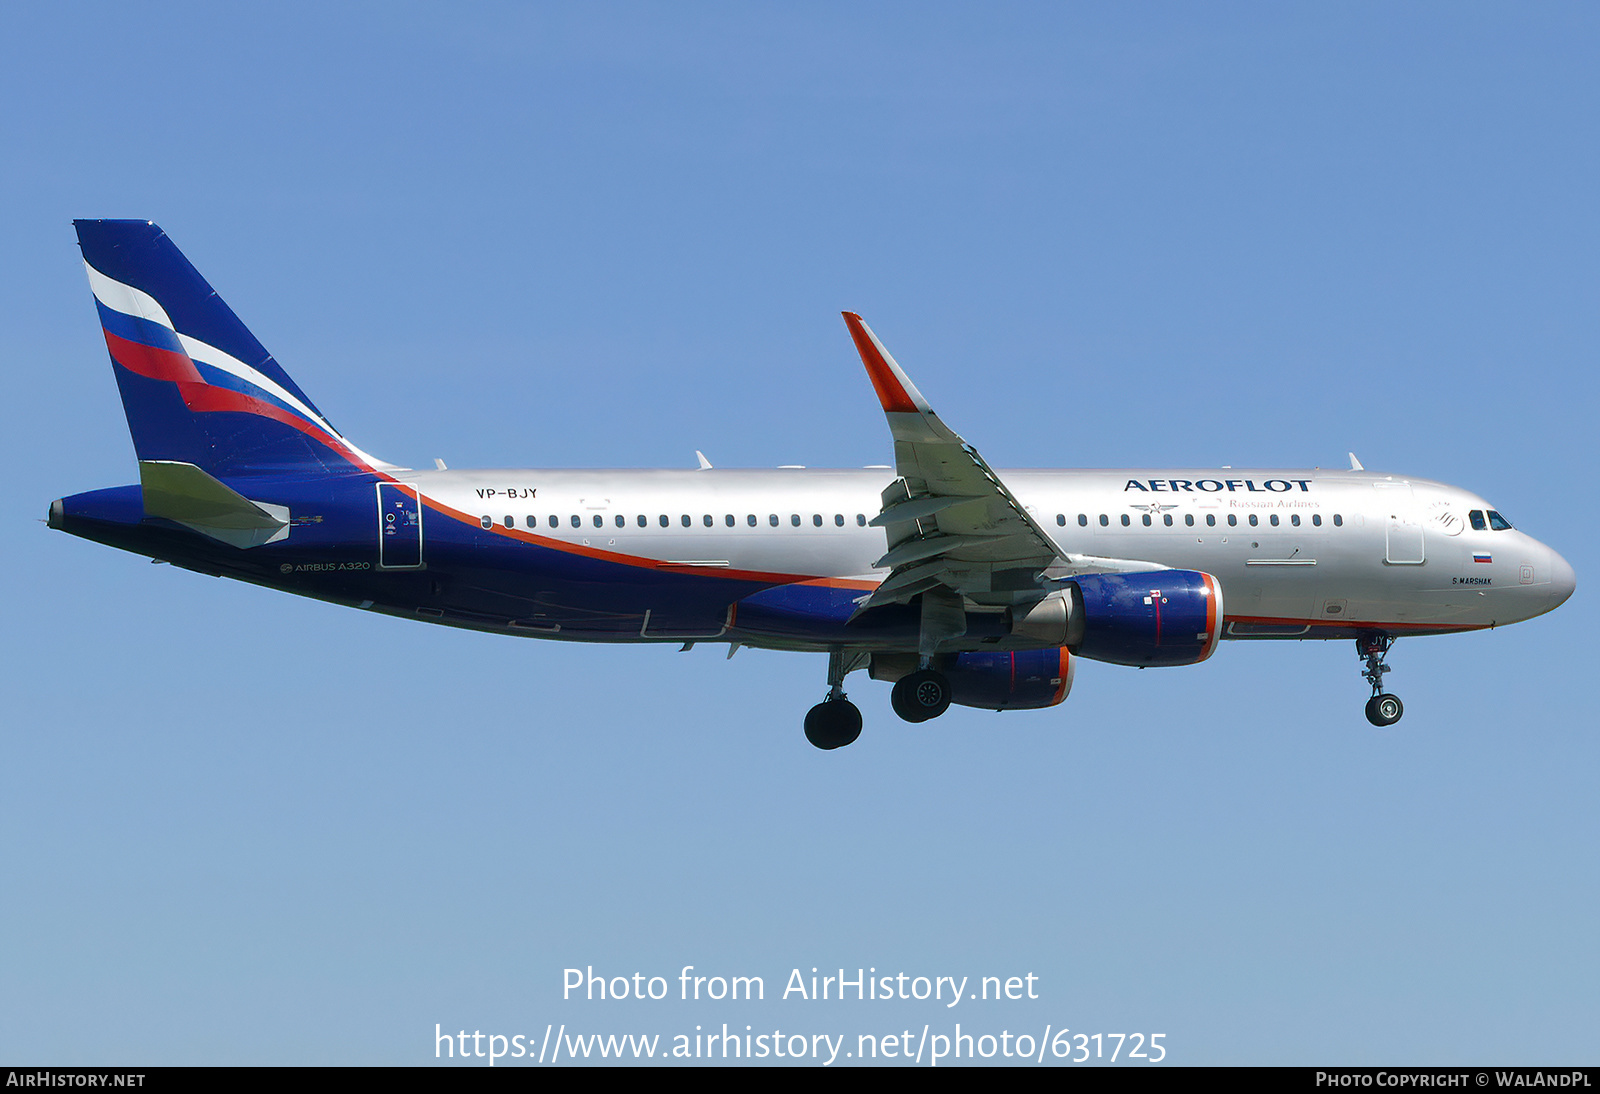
(1295,550)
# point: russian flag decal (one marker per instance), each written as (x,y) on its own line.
(1480,557)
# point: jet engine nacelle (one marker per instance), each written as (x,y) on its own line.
(1020,680)
(1158,617)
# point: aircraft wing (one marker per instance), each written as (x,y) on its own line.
(950,521)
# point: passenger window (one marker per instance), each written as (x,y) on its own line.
(1338,521)
(728,520)
(487,522)
(1254,520)
(838,520)
(1233,521)
(1147,520)
(1294,519)
(1497,523)
(599,521)
(816,519)
(1316,520)
(861,520)
(1167,520)
(750,520)
(1104,520)
(577,521)
(532,521)
(555,521)
(1188,520)
(1125,521)
(1061,520)
(706,520)
(1211,520)
(773,520)
(666,522)
(644,521)
(1083,520)
(794,519)
(686,521)
(1274,520)
(511,521)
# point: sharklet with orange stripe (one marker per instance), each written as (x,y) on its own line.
(891,392)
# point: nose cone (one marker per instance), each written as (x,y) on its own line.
(1562,581)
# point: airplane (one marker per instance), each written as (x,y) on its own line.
(955,582)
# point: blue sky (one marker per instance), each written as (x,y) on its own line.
(240,827)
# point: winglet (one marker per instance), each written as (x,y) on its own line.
(895,391)
(1355,464)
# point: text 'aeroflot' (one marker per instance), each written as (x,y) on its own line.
(959,583)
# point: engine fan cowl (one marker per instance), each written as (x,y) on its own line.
(1159,617)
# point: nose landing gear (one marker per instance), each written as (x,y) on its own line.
(1383,709)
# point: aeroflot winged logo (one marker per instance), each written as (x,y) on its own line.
(1215,486)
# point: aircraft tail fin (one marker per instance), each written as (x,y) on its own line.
(196,385)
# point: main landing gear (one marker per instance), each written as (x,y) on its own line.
(1383,709)
(921,695)
(836,721)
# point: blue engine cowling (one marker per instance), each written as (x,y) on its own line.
(1020,680)
(1162,617)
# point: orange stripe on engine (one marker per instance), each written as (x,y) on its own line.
(1066,678)
(1213,624)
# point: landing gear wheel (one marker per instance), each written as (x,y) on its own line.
(833,723)
(922,695)
(1384,709)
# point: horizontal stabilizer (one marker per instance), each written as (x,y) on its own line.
(183,493)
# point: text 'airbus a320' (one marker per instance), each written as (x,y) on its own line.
(959,583)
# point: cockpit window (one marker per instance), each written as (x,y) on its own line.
(1478,523)
(1498,523)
